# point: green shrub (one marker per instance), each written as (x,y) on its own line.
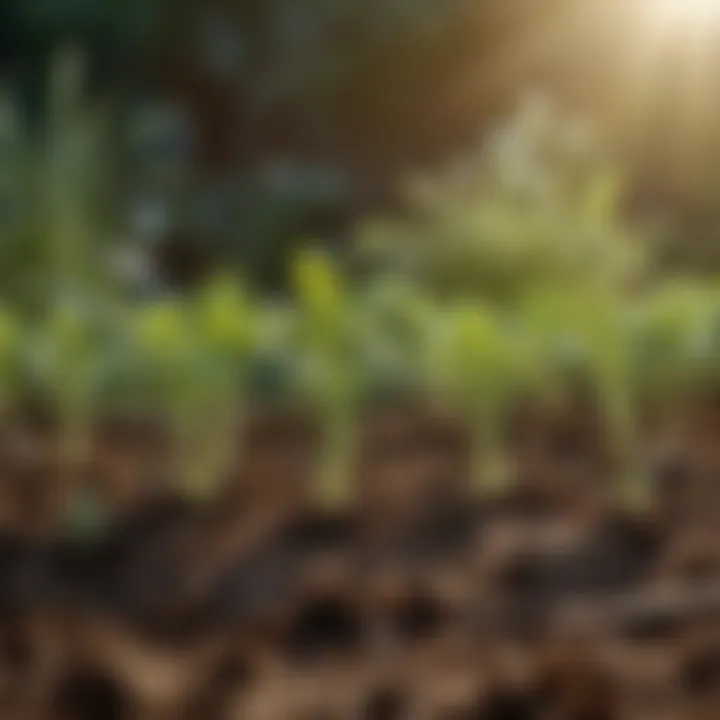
(536,205)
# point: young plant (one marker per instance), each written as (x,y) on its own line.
(169,360)
(69,183)
(393,319)
(675,339)
(197,354)
(176,380)
(50,242)
(476,366)
(329,371)
(676,347)
(584,334)
(11,343)
(65,354)
(224,327)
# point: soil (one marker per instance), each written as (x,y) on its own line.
(420,600)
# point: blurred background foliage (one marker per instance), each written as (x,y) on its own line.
(534,204)
(235,130)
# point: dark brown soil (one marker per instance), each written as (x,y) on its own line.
(421,600)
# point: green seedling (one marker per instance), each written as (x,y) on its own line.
(674,336)
(584,334)
(224,326)
(197,354)
(474,365)
(393,318)
(66,354)
(173,367)
(11,340)
(329,371)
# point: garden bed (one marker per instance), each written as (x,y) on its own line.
(420,599)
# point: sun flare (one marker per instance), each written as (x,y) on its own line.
(685,12)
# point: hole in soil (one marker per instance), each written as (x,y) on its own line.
(232,672)
(89,695)
(385,704)
(324,626)
(520,575)
(16,653)
(507,705)
(418,618)
(700,674)
(651,628)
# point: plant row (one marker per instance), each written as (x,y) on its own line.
(198,362)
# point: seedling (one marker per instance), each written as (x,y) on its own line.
(583,333)
(675,336)
(11,339)
(224,326)
(329,371)
(473,363)
(393,318)
(171,362)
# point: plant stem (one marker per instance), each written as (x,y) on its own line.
(206,438)
(75,449)
(490,468)
(633,485)
(337,461)
(632,489)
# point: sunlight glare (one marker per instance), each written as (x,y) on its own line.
(687,12)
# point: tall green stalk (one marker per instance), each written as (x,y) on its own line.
(329,369)
(74,285)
